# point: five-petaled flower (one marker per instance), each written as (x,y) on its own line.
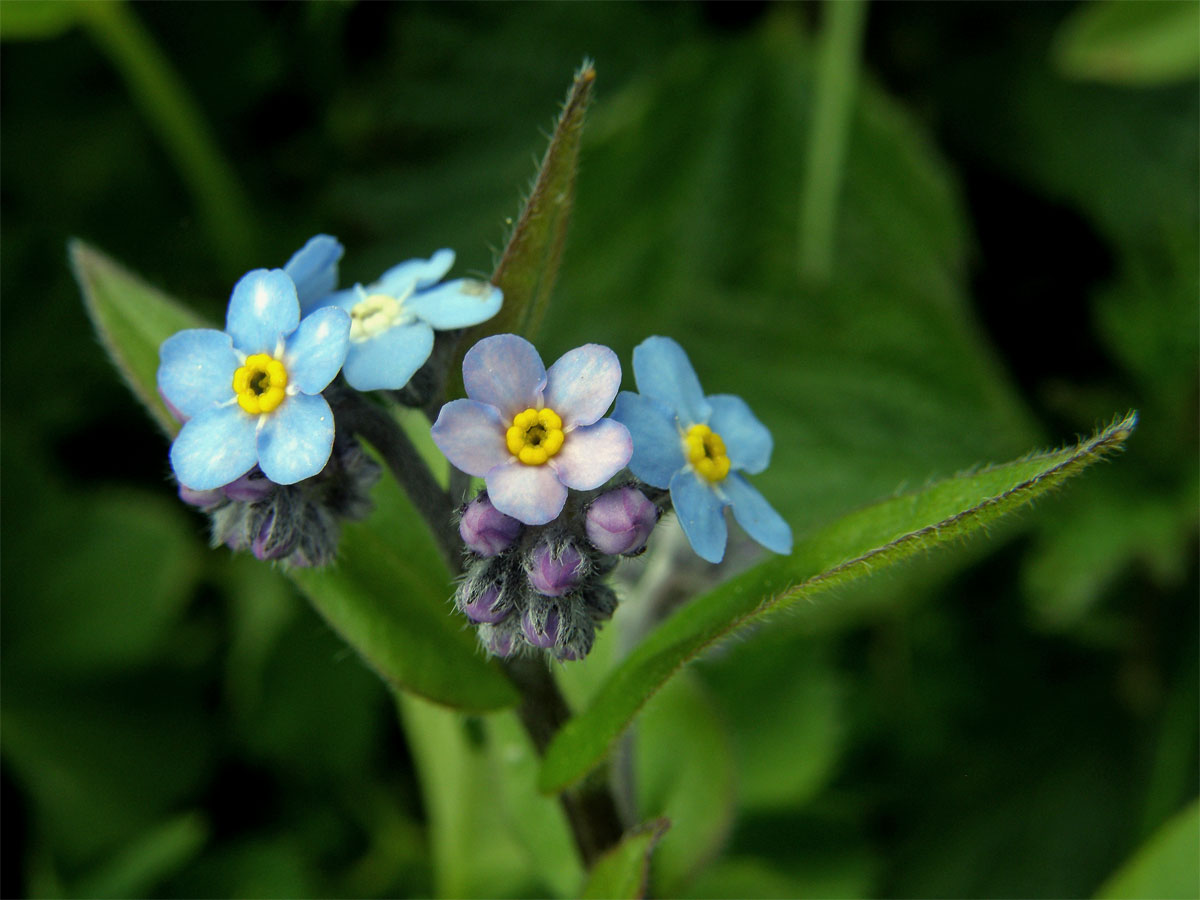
(532,433)
(392,320)
(696,446)
(251,394)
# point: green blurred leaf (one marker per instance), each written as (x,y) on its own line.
(858,544)
(137,870)
(529,265)
(1131,42)
(780,678)
(35,20)
(132,320)
(684,773)
(1166,866)
(388,597)
(621,874)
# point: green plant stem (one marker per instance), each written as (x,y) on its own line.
(590,808)
(174,117)
(837,79)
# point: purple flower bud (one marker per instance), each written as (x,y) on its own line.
(250,488)
(488,606)
(486,530)
(620,521)
(541,633)
(201,499)
(554,574)
(269,542)
(498,643)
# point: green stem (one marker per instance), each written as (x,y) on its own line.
(174,117)
(837,78)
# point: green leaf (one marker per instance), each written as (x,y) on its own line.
(35,20)
(621,874)
(132,319)
(529,265)
(690,783)
(1131,42)
(137,870)
(388,597)
(1166,866)
(858,544)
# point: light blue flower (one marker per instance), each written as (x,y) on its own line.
(393,320)
(251,394)
(697,447)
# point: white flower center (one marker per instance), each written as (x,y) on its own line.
(374,314)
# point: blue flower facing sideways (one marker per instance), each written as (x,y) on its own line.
(392,320)
(251,394)
(697,446)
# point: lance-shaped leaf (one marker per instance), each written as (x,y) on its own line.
(1128,42)
(387,594)
(862,542)
(622,873)
(529,265)
(132,319)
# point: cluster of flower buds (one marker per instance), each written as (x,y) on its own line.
(542,587)
(298,524)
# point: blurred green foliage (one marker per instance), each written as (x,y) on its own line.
(1015,258)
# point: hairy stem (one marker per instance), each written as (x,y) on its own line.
(590,807)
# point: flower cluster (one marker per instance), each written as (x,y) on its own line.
(257,445)
(568,492)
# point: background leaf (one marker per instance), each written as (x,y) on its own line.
(1131,43)
(623,871)
(852,547)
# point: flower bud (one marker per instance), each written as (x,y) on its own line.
(620,521)
(497,642)
(250,488)
(273,540)
(554,573)
(600,602)
(541,626)
(484,603)
(200,499)
(486,530)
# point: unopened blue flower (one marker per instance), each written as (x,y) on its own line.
(251,394)
(697,447)
(393,320)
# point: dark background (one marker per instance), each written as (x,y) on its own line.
(1016,262)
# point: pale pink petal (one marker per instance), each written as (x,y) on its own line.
(471,435)
(581,386)
(592,455)
(506,372)
(530,494)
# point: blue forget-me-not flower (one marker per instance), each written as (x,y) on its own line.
(697,447)
(251,394)
(392,320)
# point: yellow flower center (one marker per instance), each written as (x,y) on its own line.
(535,435)
(374,315)
(260,384)
(705,450)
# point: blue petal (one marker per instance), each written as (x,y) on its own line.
(504,371)
(413,274)
(314,269)
(262,309)
(456,304)
(756,516)
(390,359)
(196,369)
(747,440)
(214,448)
(317,350)
(662,371)
(295,440)
(657,447)
(701,513)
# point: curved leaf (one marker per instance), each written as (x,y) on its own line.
(622,873)
(1131,42)
(1166,865)
(850,548)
